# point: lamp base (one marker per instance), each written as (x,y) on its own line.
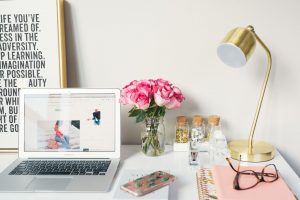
(261,151)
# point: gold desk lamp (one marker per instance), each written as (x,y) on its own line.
(235,50)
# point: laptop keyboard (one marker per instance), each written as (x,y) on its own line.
(61,167)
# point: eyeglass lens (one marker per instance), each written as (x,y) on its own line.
(246,181)
(270,173)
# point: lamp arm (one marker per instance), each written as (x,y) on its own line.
(262,93)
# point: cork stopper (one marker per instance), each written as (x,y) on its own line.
(214,120)
(197,120)
(181,120)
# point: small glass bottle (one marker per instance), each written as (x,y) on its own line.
(197,132)
(220,150)
(213,122)
(218,146)
(182,130)
(197,138)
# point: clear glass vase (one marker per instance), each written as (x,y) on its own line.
(153,136)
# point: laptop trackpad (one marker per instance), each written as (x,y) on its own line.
(48,184)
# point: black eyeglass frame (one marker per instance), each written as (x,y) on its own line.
(259,175)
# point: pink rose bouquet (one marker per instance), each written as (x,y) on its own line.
(150,98)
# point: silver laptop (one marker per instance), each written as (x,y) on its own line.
(69,141)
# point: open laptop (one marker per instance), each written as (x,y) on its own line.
(69,141)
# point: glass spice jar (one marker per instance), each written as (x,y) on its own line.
(196,140)
(197,131)
(182,130)
(213,122)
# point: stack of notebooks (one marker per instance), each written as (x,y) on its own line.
(217,183)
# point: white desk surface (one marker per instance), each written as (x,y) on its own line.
(185,187)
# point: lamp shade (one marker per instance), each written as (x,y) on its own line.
(237,47)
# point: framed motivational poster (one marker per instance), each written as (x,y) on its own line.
(32,55)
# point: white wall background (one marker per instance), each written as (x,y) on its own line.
(111,42)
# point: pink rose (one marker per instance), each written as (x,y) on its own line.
(161,82)
(178,94)
(176,99)
(141,93)
(144,94)
(169,97)
(145,86)
(142,101)
(138,93)
(127,93)
(163,95)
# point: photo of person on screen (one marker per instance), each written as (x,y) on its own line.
(59,136)
(96,117)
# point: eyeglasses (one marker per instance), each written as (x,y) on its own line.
(248,179)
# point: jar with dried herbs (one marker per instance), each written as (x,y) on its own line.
(182,130)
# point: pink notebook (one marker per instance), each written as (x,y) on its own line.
(223,177)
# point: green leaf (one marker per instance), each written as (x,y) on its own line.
(152,103)
(162,111)
(158,111)
(140,117)
(132,109)
(150,110)
(135,112)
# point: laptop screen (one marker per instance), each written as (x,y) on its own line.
(69,122)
